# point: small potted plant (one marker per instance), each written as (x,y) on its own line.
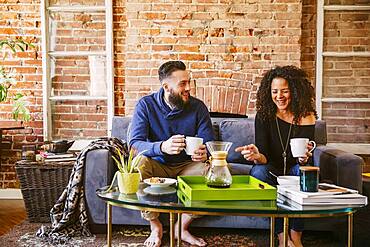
(128,174)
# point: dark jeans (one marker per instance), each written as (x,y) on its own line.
(262,173)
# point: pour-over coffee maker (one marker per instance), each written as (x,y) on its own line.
(218,175)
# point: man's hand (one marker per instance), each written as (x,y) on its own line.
(174,145)
(200,155)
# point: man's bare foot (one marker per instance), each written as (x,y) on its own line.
(192,240)
(281,241)
(186,235)
(296,238)
(155,238)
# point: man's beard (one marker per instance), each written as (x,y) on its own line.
(176,100)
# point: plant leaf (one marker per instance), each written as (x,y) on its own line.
(118,164)
(3,92)
(18,96)
(19,107)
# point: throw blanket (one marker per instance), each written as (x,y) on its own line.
(68,215)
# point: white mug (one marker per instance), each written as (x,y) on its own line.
(192,144)
(299,146)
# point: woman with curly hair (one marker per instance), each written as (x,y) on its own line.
(285,110)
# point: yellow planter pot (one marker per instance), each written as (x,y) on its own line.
(128,183)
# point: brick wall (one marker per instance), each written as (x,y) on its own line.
(308,40)
(226,44)
(21,19)
(347,77)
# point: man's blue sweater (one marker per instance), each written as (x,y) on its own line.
(154,122)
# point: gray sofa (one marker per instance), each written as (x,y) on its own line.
(336,166)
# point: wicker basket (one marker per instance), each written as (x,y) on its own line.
(41,186)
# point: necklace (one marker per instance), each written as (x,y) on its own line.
(281,142)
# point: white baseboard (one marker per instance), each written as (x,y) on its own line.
(10,194)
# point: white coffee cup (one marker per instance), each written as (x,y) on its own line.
(192,144)
(299,146)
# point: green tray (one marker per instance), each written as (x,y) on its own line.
(244,187)
(256,205)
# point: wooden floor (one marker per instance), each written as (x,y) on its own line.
(12,213)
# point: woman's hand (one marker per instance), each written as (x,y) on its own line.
(250,152)
(304,160)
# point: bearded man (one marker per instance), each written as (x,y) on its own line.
(160,123)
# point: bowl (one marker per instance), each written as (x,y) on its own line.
(288,180)
(61,146)
(165,182)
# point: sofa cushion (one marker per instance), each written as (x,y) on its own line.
(120,127)
(240,133)
(320,132)
(239,169)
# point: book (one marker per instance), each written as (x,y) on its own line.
(331,194)
(47,155)
(286,203)
(325,189)
(60,160)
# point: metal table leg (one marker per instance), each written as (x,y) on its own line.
(286,231)
(350,229)
(109,230)
(179,215)
(272,231)
(172,229)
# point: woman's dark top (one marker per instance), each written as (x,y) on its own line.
(268,142)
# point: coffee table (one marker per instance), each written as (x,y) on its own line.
(171,204)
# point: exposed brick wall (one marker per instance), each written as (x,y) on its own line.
(21,18)
(346,31)
(119,39)
(347,77)
(344,77)
(226,44)
(347,122)
(308,41)
(79,31)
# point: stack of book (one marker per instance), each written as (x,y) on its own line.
(328,195)
(61,157)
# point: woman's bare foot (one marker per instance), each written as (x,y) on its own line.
(281,241)
(186,235)
(155,238)
(296,238)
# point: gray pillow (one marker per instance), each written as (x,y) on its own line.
(240,133)
(120,127)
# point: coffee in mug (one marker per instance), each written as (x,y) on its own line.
(299,146)
(309,178)
(192,144)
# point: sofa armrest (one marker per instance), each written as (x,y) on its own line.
(99,171)
(339,167)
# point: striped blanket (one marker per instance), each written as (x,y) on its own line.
(68,215)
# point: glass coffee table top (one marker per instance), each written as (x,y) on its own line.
(171,201)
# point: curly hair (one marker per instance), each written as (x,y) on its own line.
(301,90)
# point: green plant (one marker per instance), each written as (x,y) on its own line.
(130,164)
(6,80)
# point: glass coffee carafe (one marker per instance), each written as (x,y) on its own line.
(218,175)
